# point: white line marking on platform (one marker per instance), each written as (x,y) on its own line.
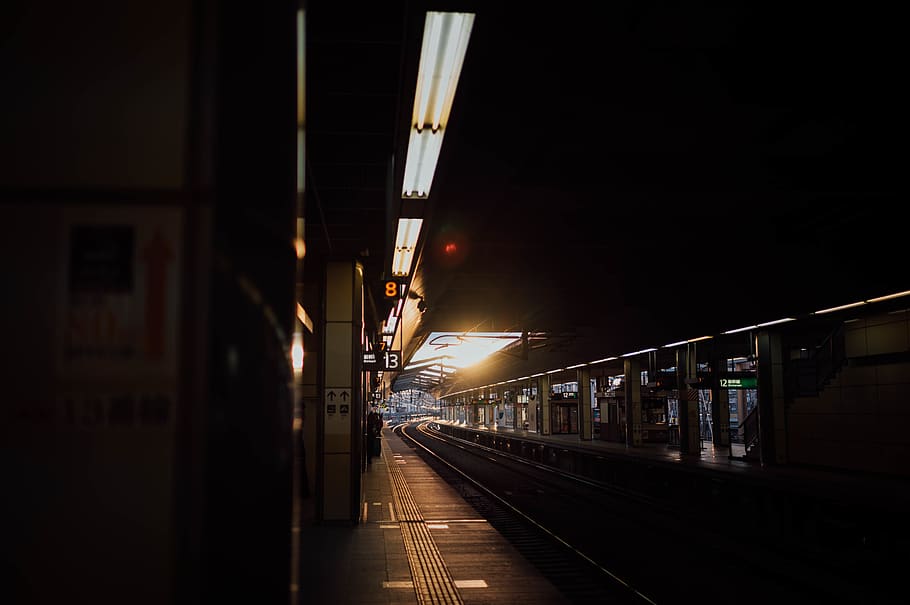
(407,584)
(470,584)
(437,526)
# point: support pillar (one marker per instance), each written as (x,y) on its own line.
(632,370)
(585,413)
(772,426)
(689,436)
(544,420)
(720,405)
(342,417)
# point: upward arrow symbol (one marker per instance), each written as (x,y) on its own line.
(344,395)
(331,395)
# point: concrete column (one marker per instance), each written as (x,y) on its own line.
(632,370)
(772,419)
(689,437)
(339,479)
(543,396)
(585,413)
(720,405)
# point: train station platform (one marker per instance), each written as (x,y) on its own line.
(418,541)
(888,492)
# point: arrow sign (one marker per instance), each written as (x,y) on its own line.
(345,395)
(331,395)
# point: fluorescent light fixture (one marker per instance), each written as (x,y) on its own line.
(639,352)
(602,360)
(297,352)
(523,378)
(538,374)
(840,308)
(420,166)
(740,330)
(777,321)
(405,245)
(889,297)
(555,371)
(675,344)
(445,42)
(577,365)
(699,339)
(304,318)
(390,325)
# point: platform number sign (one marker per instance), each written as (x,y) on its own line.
(382,361)
(391,361)
(393,289)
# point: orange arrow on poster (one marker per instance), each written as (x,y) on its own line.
(157,255)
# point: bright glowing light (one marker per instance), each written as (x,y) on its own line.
(464,349)
(405,245)
(889,296)
(297,352)
(840,308)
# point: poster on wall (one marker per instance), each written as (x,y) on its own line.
(118,320)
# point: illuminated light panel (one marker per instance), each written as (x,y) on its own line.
(423,155)
(405,245)
(638,352)
(740,329)
(676,344)
(304,318)
(297,351)
(889,296)
(776,321)
(840,308)
(603,360)
(445,42)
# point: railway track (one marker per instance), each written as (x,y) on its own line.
(599,544)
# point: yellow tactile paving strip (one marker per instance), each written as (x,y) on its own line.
(432,581)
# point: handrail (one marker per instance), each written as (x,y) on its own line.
(808,376)
(750,428)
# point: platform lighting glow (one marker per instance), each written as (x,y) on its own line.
(405,245)
(390,326)
(840,308)
(445,42)
(699,339)
(602,360)
(297,351)
(538,374)
(304,318)
(638,352)
(776,321)
(554,371)
(577,365)
(889,296)
(523,378)
(464,349)
(675,344)
(740,330)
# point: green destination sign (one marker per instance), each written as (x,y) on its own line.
(738,383)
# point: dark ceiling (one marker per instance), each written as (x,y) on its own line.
(648,171)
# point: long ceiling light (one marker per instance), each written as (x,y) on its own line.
(405,245)
(445,42)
